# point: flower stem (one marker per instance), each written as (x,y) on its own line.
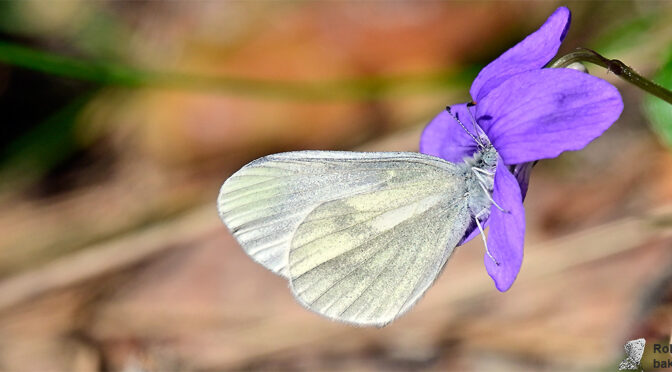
(619,68)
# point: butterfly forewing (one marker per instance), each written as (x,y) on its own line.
(361,236)
(264,202)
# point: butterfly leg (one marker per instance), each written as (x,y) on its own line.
(485,243)
(481,182)
(479,170)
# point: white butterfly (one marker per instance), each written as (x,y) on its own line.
(360,236)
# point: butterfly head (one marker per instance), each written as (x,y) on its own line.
(488,156)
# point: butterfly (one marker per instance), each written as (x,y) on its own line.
(360,236)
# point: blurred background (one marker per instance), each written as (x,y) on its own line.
(120,120)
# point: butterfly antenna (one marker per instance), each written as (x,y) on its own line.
(463,127)
(485,242)
(473,121)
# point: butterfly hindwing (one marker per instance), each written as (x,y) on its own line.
(368,258)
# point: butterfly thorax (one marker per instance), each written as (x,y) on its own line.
(480,181)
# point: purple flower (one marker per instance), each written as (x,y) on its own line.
(527,113)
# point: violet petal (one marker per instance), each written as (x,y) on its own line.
(534,52)
(507,231)
(539,114)
(443,137)
(473,231)
(522,173)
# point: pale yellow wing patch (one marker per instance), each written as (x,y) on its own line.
(368,258)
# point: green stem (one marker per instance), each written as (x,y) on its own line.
(364,88)
(619,69)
